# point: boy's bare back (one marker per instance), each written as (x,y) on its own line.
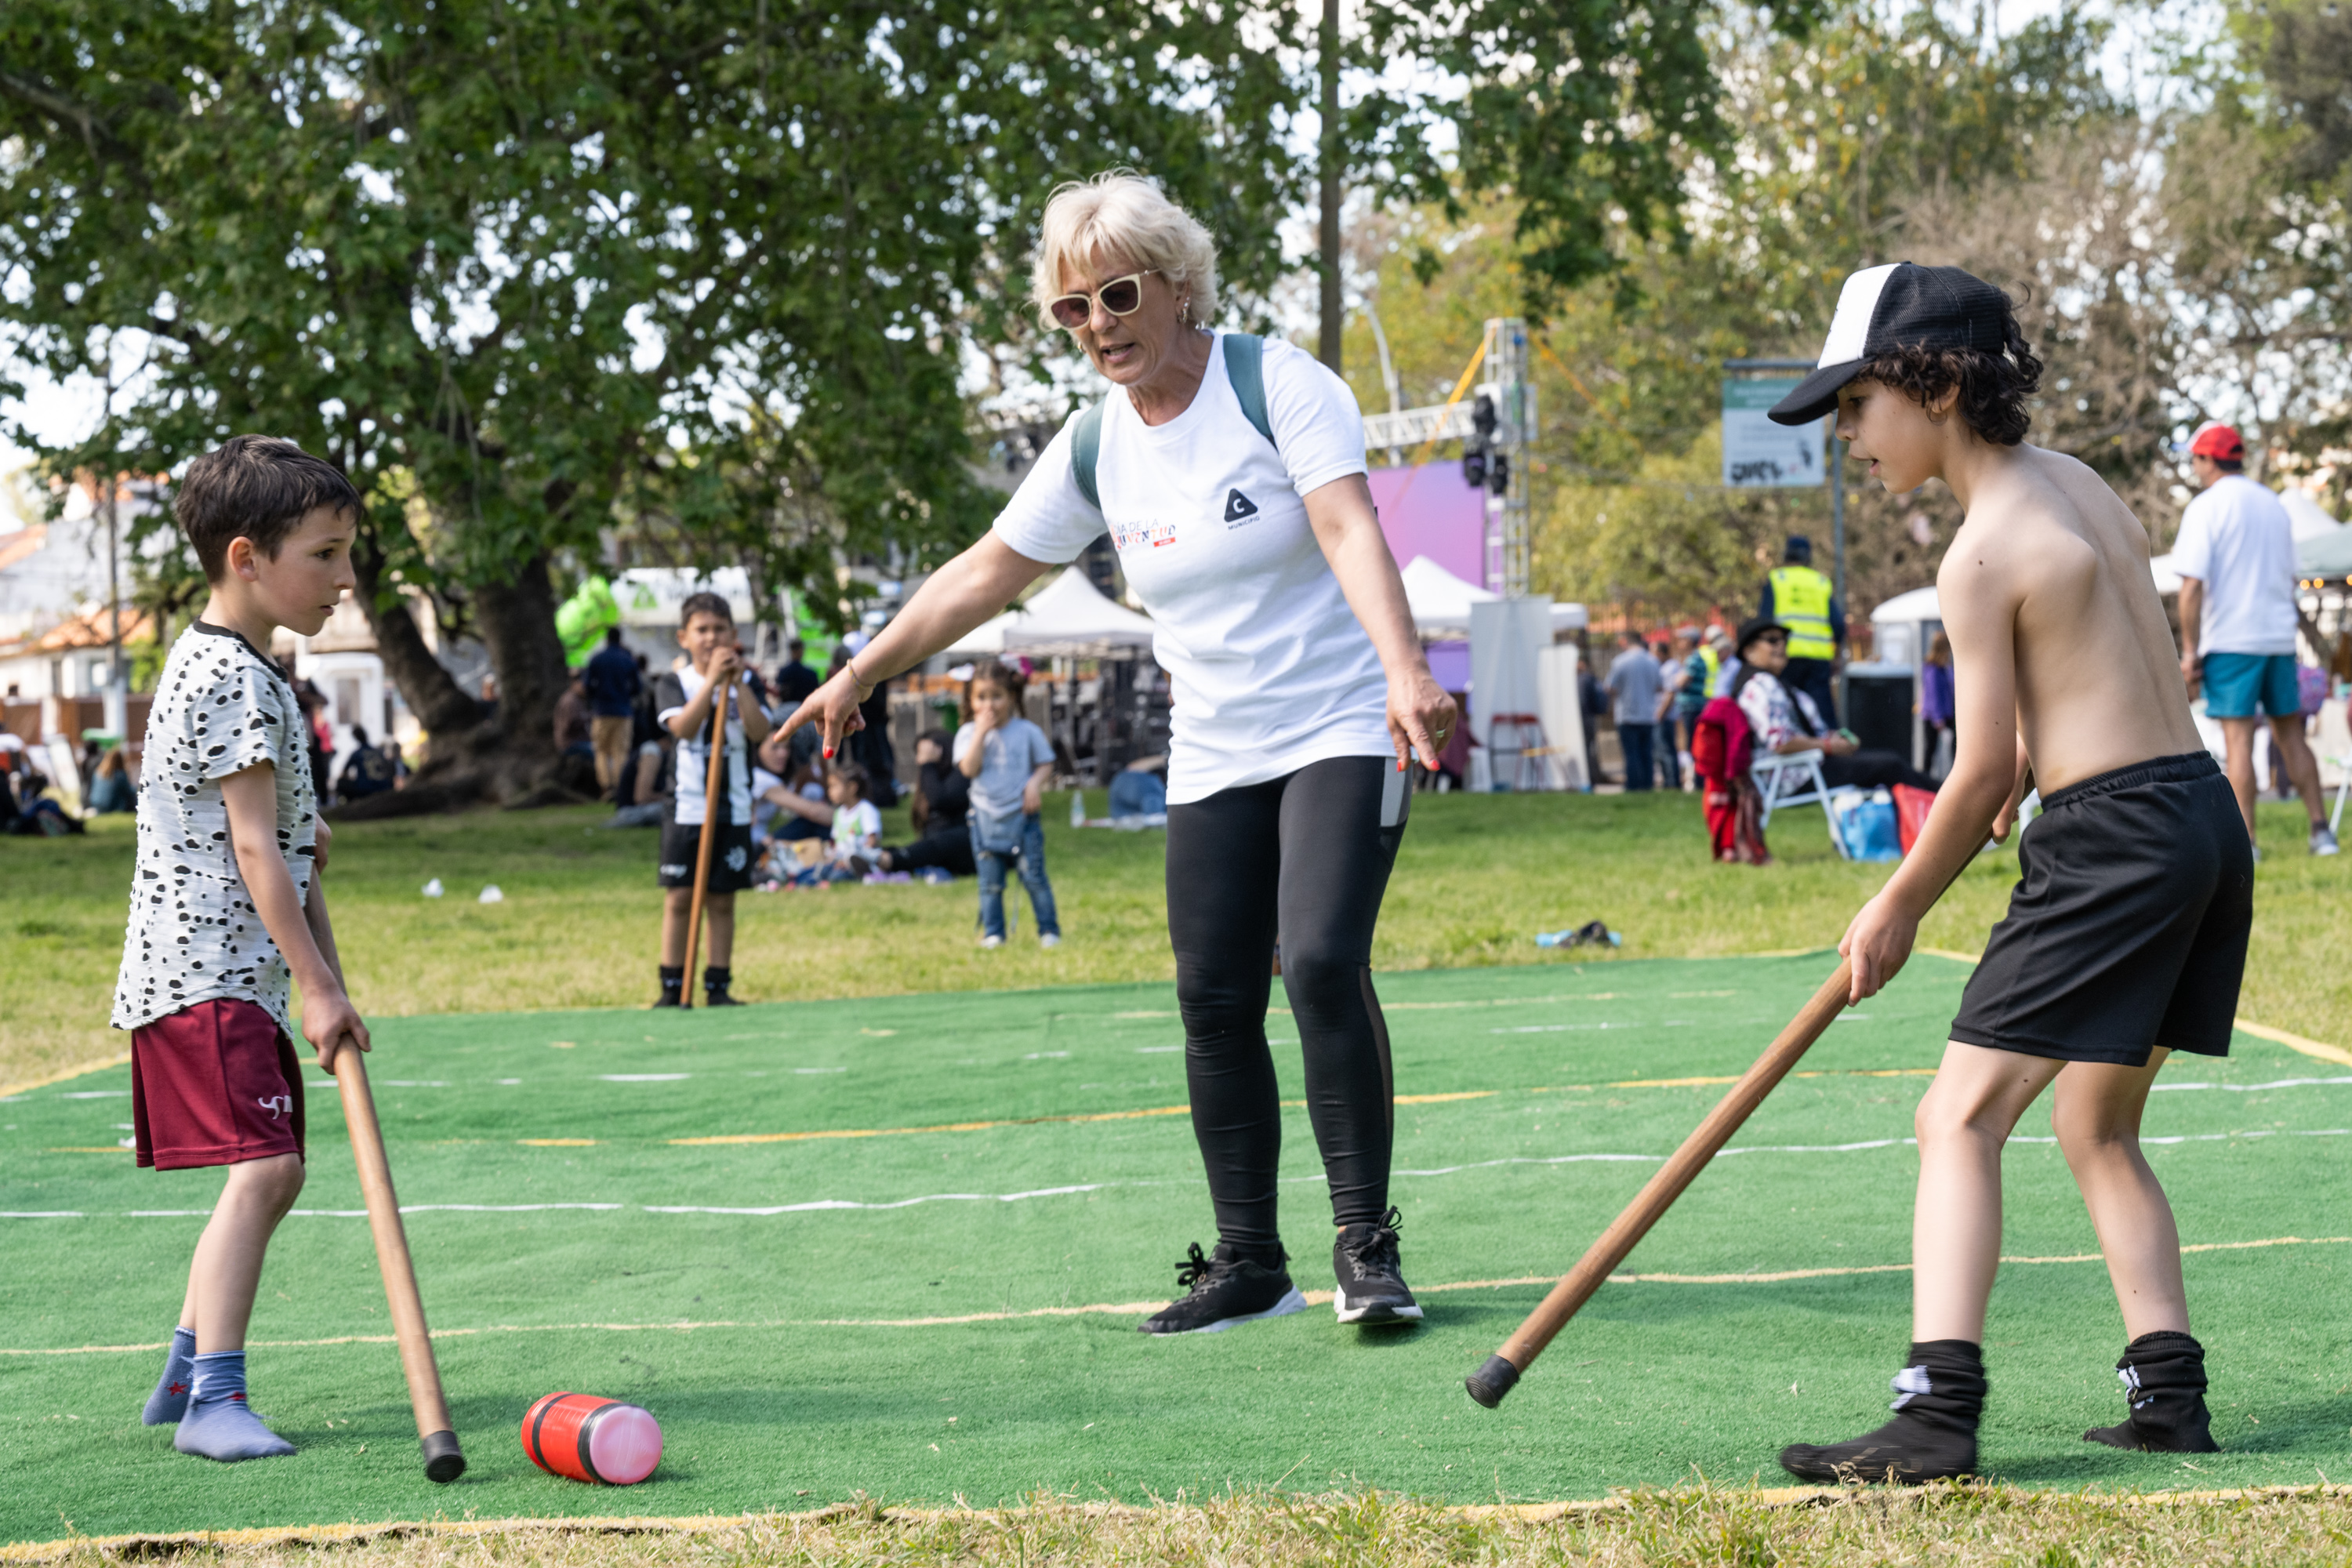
(2046,594)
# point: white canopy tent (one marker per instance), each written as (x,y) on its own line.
(1069,618)
(1441,602)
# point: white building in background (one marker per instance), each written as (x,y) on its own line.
(57,652)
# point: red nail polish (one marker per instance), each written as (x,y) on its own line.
(828,754)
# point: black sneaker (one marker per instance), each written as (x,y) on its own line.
(669,999)
(719,999)
(1371,1284)
(1225,1290)
(1905,1452)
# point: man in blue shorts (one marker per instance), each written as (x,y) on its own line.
(2236,560)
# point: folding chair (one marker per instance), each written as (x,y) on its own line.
(1515,741)
(1794,779)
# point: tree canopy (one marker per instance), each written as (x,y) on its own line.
(521,265)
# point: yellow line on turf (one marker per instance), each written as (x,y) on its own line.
(17,1089)
(713,1523)
(943,1127)
(2297,1043)
(2309,1047)
(1127,1309)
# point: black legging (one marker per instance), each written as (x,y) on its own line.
(1872,768)
(1305,856)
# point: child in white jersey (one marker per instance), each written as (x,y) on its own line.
(1008,761)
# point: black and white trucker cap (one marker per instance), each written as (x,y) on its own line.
(1886,308)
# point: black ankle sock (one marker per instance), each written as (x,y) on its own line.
(673,978)
(2163,1376)
(716,978)
(1944,1385)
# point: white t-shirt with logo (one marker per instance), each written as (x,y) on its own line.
(1270,667)
(192,936)
(2236,539)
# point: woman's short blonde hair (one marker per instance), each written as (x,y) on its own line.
(1121,212)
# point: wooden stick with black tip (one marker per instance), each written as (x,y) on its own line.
(702,850)
(444,1460)
(1491,1381)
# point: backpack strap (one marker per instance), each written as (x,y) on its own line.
(1245,367)
(1085,452)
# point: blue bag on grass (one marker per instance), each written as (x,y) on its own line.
(1865,824)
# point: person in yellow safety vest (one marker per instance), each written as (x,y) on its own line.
(1802,600)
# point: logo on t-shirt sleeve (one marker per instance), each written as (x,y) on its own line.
(1239,509)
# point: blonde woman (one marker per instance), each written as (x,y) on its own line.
(1229,472)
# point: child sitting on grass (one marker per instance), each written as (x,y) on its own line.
(227,906)
(2125,938)
(1008,761)
(854,830)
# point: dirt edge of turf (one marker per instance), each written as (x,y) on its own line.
(870,1512)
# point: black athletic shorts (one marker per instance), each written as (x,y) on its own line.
(731,855)
(2128,927)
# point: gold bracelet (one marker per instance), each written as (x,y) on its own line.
(862,685)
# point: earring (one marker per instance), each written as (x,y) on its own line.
(1184,311)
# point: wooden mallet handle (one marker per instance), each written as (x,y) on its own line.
(444,1461)
(702,850)
(1491,1381)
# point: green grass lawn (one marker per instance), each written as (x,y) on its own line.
(1477,877)
(899,1245)
(820,1298)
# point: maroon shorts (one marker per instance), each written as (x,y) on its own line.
(214,1084)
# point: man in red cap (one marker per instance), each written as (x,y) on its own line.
(2235,555)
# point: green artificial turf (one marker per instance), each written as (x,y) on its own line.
(807,1268)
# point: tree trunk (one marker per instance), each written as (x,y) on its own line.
(428,689)
(503,751)
(517,622)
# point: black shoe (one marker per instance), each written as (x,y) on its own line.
(1223,1290)
(1907,1451)
(670,999)
(714,981)
(1371,1283)
(1940,1398)
(719,999)
(673,985)
(2163,1375)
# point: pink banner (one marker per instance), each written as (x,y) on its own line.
(1428,511)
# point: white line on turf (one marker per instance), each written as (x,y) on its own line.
(900,1204)
(822,1204)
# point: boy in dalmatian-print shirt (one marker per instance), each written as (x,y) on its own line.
(226,907)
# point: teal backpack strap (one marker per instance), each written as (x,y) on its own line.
(1245,368)
(1085,451)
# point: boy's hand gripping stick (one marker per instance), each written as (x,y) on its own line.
(1491,1381)
(702,850)
(444,1461)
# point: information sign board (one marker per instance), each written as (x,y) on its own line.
(1759,454)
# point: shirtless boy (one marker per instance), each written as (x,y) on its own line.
(2125,937)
